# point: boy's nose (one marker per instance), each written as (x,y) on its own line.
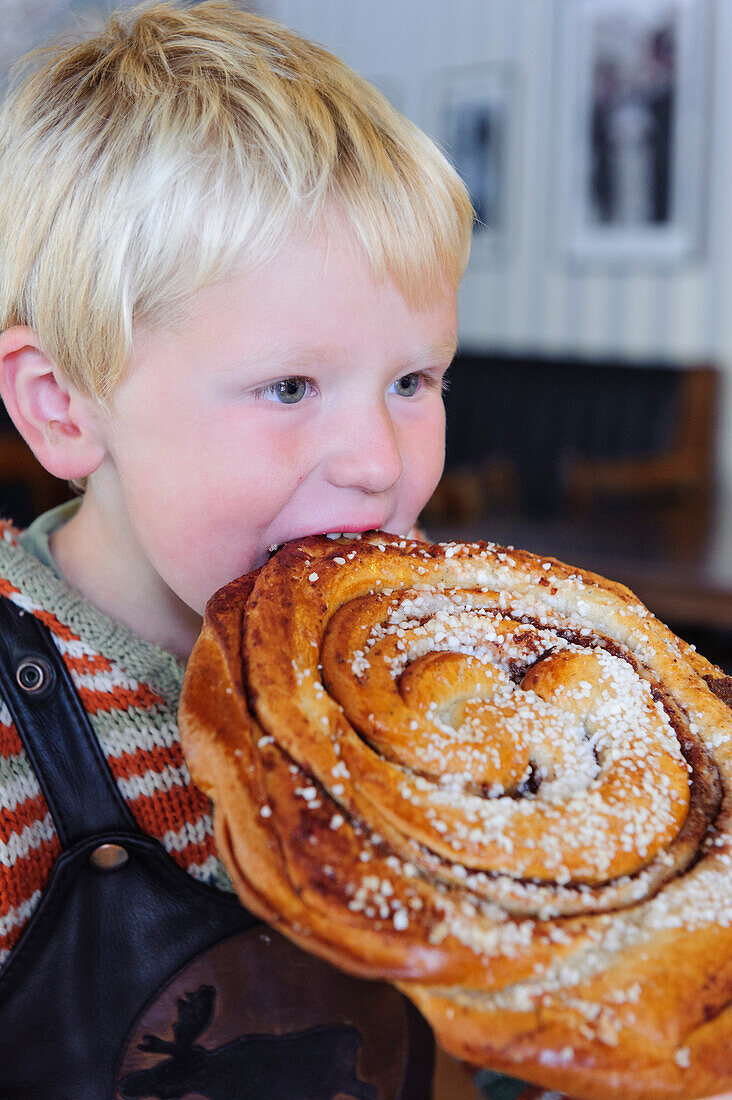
(364,453)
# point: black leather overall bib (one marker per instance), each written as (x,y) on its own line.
(133,980)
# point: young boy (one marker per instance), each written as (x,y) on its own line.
(228,275)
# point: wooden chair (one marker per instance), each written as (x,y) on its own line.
(683,469)
(677,482)
(553,436)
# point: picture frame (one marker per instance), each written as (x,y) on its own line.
(632,140)
(477,132)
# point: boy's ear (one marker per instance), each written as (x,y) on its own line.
(59,424)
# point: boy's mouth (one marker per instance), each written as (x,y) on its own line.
(344,534)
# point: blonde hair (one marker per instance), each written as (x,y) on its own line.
(146,162)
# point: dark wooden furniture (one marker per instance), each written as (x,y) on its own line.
(556,435)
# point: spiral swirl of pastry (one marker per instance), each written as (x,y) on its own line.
(488,776)
(571,771)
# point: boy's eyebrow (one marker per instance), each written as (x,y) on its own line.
(278,358)
(444,348)
(290,356)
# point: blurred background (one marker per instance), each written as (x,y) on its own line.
(590,408)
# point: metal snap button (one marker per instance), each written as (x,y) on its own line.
(32,674)
(109,857)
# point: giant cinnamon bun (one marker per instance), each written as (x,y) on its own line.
(493,779)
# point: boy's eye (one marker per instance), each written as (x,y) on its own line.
(407,385)
(288,390)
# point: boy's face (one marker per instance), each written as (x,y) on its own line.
(297,399)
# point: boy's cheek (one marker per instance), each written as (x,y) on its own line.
(429,453)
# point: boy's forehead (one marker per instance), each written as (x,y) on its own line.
(324,254)
(295,356)
(316,285)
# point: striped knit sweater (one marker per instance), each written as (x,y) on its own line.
(130,690)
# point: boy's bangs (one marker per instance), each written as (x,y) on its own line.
(201,234)
(227,212)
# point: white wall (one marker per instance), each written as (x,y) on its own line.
(533,297)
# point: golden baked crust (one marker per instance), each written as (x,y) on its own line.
(493,779)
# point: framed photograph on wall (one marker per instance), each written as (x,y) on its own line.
(477,133)
(633,93)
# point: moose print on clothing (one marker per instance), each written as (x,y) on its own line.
(256,1018)
(317,1064)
